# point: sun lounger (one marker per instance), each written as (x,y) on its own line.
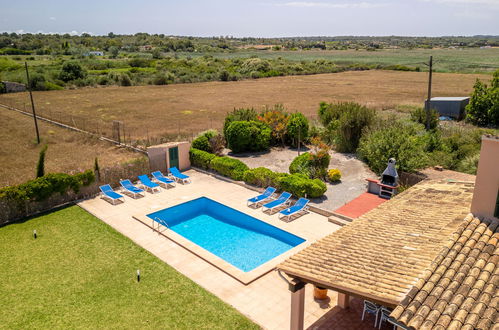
(147,184)
(163,180)
(300,206)
(131,189)
(179,176)
(280,201)
(109,194)
(267,194)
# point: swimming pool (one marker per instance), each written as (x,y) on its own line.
(241,240)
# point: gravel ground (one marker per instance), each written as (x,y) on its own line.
(354,172)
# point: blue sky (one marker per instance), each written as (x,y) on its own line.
(260,18)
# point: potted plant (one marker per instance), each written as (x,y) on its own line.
(320,293)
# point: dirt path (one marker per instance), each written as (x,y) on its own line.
(353,181)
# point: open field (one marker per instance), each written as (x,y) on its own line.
(463,60)
(186,109)
(67,150)
(81,273)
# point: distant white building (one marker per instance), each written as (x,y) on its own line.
(95,53)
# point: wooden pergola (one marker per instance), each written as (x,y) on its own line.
(380,256)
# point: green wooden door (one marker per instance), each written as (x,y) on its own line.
(173,156)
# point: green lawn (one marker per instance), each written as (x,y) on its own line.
(81,273)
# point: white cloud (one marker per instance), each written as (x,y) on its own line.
(308,4)
(481,3)
(52,18)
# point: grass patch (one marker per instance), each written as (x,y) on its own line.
(80,273)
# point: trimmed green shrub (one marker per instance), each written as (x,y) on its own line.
(404,142)
(41,188)
(301,164)
(201,158)
(242,114)
(420,116)
(261,177)
(206,141)
(244,136)
(300,185)
(297,128)
(230,167)
(201,143)
(334,175)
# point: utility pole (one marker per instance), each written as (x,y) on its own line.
(32,104)
(427,105)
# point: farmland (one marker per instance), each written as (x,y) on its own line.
(152,112)
(67,151)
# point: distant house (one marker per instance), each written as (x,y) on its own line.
(95,53)
(145,48)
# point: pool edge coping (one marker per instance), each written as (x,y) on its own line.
(231,270)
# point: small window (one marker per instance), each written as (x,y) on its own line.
(496,213)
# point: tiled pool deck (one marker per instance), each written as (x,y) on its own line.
(266,300)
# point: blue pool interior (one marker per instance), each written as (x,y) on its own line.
(238,238)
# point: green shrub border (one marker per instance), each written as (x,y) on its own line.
(42,188)
(297,184)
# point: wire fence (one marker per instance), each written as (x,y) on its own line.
(114,131)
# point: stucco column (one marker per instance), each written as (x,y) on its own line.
(343,300)
(297,289)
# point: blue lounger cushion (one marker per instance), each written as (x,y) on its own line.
(128,185)
(266,194)
(160,177)
(279,201)
(109,192)
(299,205)
(144,179)
(176,173)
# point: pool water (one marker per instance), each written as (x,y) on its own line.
(238,238)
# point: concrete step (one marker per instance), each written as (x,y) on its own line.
(340,221)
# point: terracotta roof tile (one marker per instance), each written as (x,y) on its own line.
(381,255)
(468,296)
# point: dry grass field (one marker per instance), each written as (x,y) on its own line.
(153,111)
(67,151)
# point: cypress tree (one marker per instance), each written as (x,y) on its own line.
(40,167)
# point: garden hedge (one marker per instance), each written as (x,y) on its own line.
(201,158)
(244,136)
(298,184)
(230,167)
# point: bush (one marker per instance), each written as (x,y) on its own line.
(297,128)
(124,80)
(37,82)
(334,175)
(209,141)
(344,122)
(302,186)
(301,164)
(404,142)
(200,158)
(244,136)
(72,71)
(160,79)
(230,167)
(277,120)
(242,114)
(313,164)
(41,188)
(420,116)
(139,62)
(261,177)
(483,108)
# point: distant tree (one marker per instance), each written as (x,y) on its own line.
(97,169)
(72,71)
(114,51)
(483,108)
